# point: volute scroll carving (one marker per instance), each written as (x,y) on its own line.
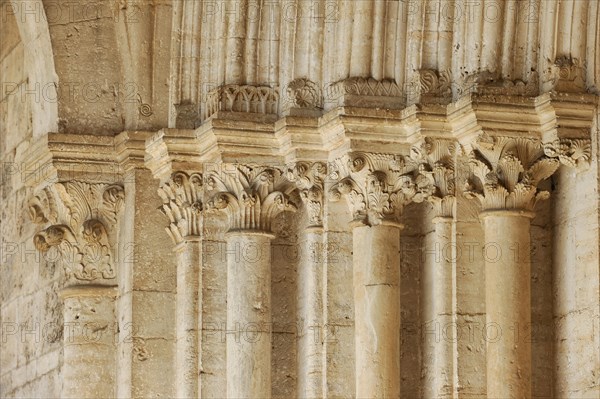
(81,225)
(251,196)
(377,187)
(183,205)
(309,178)
(506,172)
(437,157)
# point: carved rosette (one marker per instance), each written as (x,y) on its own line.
(309,178)
(81,220)
(251,196)
(437,159)
(377,187)
(303,93)
(182,205)
(506,172)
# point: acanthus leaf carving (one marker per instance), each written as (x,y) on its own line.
(251,196)
(570,152)
(310,178)
(506,172)
(183,205)
(82,220)
(377,187)
(437,157)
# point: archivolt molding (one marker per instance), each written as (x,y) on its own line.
(310,178)
(251,196)
(377,187)
(83,223)
(182,198)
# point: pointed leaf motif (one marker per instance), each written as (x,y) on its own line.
(80,222)
(377,187)
(518,165)
(250,196)
(182,204)
(309,179)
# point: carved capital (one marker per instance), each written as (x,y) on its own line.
(251,196)
(570,152)
(80,227)
(435,83)
(182,205)
(437,157)
(506,172)
(377,187)
(566,75)
(309,178)
(242,98)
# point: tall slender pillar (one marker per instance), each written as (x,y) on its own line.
(506,173)
(377,187)
(251,197)
(82,227)
(439,274)
(508,302)
(182,204)
(309,178)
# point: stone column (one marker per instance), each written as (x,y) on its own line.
(506,173)
(251,198)
(508,302)
(89,356)
(377,187)
(182,204)
(249,314)
(82,227)
(377,310)
(309,178)
(439,274)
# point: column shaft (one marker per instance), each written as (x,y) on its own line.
(248,315)
(188,313)
(508,303)
(310,315)
(89,349)
(377,310)
(438,311)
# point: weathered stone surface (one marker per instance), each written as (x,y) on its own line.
(204,199)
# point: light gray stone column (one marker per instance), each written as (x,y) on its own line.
(439,335)
(189,316)
(377,310)
(310,314)
(377,187)
(508,303)
(251,197)
(249,314)
(89,351)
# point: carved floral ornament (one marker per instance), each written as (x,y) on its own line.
(507,171)
(183,204)
(251,196)
(82,220)
(310,179)
(377,187)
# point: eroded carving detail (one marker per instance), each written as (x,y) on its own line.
(309,178)
(82,218)
(242,98)
(568,75)
(437,157)
(250,195)
(570,152)
(303,93)
(506,172)
(377,187)
(368,87)
(183,204)
(432,82)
